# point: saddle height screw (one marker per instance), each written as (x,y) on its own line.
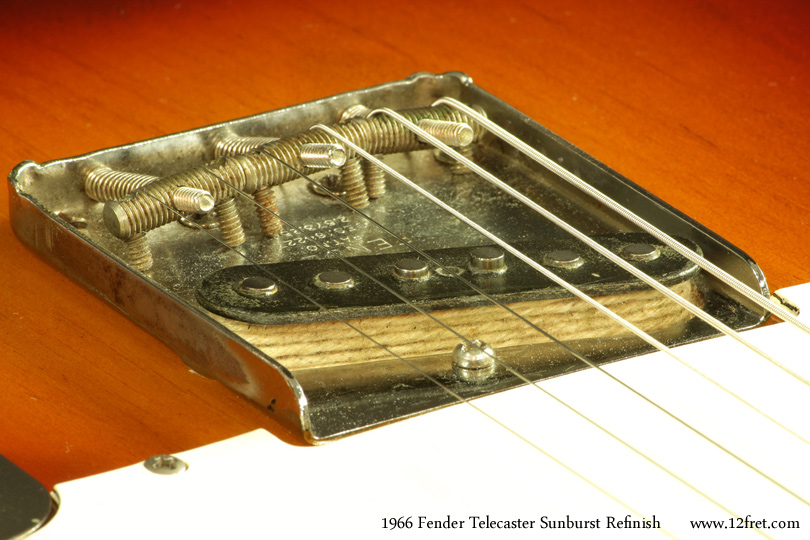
(234,145)
(165,464)
(450,133)
(188,199)
(375,179)
(353,184)
(358,110)
(230,225)
(322,156)
(138,253)
(457,167)
(104,184)
(270,223)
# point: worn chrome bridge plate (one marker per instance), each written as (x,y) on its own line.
(327,394)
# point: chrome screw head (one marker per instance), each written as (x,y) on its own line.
(165,464)
(474,361)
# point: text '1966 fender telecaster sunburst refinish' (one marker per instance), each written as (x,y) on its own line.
(344,270)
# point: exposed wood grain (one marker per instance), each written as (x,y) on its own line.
(704,103)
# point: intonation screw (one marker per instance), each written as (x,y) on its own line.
(353,184)
(233,145)
(165,464)
(138,253)
(450,133)
(188,199)
(487,259)
(322,156)
(230,225)
(357,110)
(104,184)
(375,179)
(270,223)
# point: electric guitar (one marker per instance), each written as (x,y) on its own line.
(175,422)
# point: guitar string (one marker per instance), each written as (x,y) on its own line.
(563,283)
(355,268)
(660,346)
(410,303)
(717,324)
(702,262)
(459,398)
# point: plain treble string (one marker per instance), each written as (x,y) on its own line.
(552,276)
(696,311)
(459,398)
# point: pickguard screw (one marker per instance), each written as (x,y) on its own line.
(322,156)
(257,287)
(165,464)
(487,259)
(411,269)
(563,258)
(188,199)
(640,252)
(450,133)
(334,279)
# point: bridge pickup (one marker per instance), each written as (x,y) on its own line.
(399,283)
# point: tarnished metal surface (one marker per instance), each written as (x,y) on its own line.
(52,214)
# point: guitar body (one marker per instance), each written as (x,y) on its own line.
(702,104)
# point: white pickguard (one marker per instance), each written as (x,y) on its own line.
(459,464)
